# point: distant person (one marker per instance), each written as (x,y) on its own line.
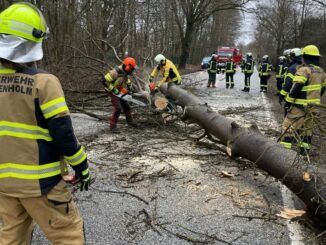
(295,59)
(280,72)
(230,67)
(264,73)
(36,138)
(307,89)
(212,70)
(118,84)
(248,71)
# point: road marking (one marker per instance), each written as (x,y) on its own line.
(293,227)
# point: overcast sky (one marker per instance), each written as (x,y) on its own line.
(248,23)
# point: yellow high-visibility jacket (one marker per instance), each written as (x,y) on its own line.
(169,71)
(36,133)
(307,86)
(117,79)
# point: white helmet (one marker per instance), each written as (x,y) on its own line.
(265,57)
(282,58)
(249,54)
(295,52)
(158,58)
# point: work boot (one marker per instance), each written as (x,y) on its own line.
(227,86)
(114,130)
(244,90)
(213,86)
(232,86)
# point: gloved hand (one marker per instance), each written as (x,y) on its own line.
(178,82)
(280,99)
(151,86)
(124,91)
(84,178)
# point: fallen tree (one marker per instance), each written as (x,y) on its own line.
(250,143)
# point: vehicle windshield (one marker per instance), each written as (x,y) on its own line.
(225,53)
(207,58)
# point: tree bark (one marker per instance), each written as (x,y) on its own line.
(251,144)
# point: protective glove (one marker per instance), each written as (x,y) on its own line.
(151,86)
(178,82)
(280,99)
(84,178)
(124,91)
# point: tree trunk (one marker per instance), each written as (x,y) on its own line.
(186,44)
(249,143)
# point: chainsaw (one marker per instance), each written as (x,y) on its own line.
(129,98)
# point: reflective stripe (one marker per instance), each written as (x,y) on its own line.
(290,75)
(19,26)
(25,131)
(5,70)
(287,145)
(283,92)
(300,79)
(306,101)
(54,107)
(289,99)
(77,158)
(314,87)
(305,145)
(23,171)
(108,77)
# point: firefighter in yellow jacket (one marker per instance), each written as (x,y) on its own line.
(169,71)
(36,134)
(308,87)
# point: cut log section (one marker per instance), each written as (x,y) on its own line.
(251,144)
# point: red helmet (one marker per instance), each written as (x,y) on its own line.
(129,64)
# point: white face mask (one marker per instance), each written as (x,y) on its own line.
(19,50)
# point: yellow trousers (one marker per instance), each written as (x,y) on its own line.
(55,213)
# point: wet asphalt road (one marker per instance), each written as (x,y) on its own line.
(192,202)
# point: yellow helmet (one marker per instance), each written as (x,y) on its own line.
(23,20)
(311,50)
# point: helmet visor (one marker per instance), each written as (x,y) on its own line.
(19,50)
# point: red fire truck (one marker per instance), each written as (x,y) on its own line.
(224,52)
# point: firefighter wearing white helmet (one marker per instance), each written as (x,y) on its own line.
(36,136)
(169,72)
(280,71)
(295,60)
(307,89)
(264,70)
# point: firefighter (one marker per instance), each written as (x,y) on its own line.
(118,84)
(264,73)
(170,74)
(306,89)
(248,71)
(212,70)
(230,67)
(294,61)
(280,72)
(169,71)
(36,138)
